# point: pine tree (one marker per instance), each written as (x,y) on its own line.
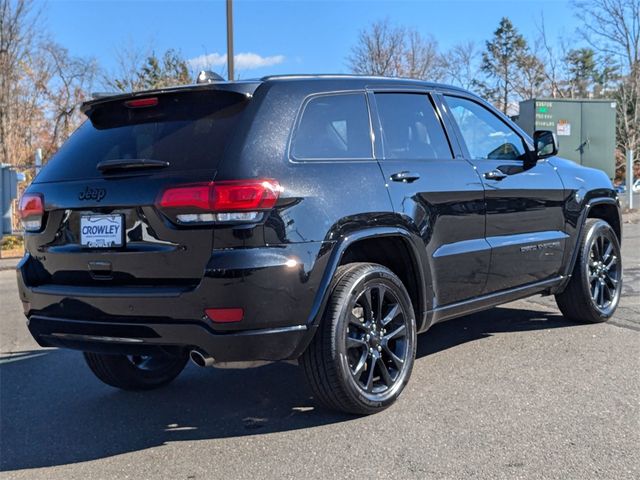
(583,71)
(501,61)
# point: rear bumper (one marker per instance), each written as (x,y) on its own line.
(277,297)
(140,338)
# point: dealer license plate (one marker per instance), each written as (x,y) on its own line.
(101,231)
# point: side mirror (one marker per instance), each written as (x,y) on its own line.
(545,144)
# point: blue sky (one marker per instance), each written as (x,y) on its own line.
(300,36)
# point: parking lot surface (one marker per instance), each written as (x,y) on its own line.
(513,392)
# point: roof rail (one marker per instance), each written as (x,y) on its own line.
(331,75)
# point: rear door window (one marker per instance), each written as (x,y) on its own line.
(189,130)
(411,129)
(333,127)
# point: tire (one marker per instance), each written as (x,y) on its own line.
(350,363)
(593,292)
(136,372)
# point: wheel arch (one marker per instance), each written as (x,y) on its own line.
(353,247)
(609,212)
(605,208)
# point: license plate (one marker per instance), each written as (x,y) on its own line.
(101,231)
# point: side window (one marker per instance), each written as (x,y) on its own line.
(334,127)
(410,127)
(486,135)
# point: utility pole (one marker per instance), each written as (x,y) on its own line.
(630,179)
(230,40)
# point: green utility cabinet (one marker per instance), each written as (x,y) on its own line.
(585,129)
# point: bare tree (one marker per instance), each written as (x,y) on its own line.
(530,80)
(461,65)
(41,85)
(17,39)
(612,28)
(395,51)
(129,60)
(379,50)
(552,59)
(420,57)
(70,80)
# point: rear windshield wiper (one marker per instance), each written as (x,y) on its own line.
(130,163)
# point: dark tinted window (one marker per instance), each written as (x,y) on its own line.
(410,127)
(486,135)
(333,127)
(188,130)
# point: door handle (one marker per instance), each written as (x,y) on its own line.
(405,177)
(495,175)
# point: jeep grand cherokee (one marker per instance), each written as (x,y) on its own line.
(324,219)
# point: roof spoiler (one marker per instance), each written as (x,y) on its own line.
(245,88)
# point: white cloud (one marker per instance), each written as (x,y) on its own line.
(242,61)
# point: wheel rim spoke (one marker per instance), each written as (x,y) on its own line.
(384,372)
(611,263)
(398,332)
(398,362)
(596,290)
(368,305)
(369,385)
(600,246)
(393,313)
(353,342)
(380,300)
(362,362)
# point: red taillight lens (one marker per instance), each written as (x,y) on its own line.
(31,211)
(228,197)
(224,315)
(141,102)
(244,196)
(191,196)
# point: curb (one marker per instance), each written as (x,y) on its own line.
(9,264)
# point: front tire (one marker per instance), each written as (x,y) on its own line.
(362,355)
(593,293)
(136,372)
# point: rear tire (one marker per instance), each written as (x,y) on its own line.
(136,372)
(593,293)
(360,359)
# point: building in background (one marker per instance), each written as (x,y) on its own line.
(8,193)
(585,129)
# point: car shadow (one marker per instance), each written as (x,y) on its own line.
(54,412)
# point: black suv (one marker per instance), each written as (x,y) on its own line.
(324,219)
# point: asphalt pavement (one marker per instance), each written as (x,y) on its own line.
(513,392)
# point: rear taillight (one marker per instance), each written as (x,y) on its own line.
(31,211)
(227,201)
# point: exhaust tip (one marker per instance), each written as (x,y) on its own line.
(201,359)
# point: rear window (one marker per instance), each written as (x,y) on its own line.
(190,130)
(333,127)
(411,129)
